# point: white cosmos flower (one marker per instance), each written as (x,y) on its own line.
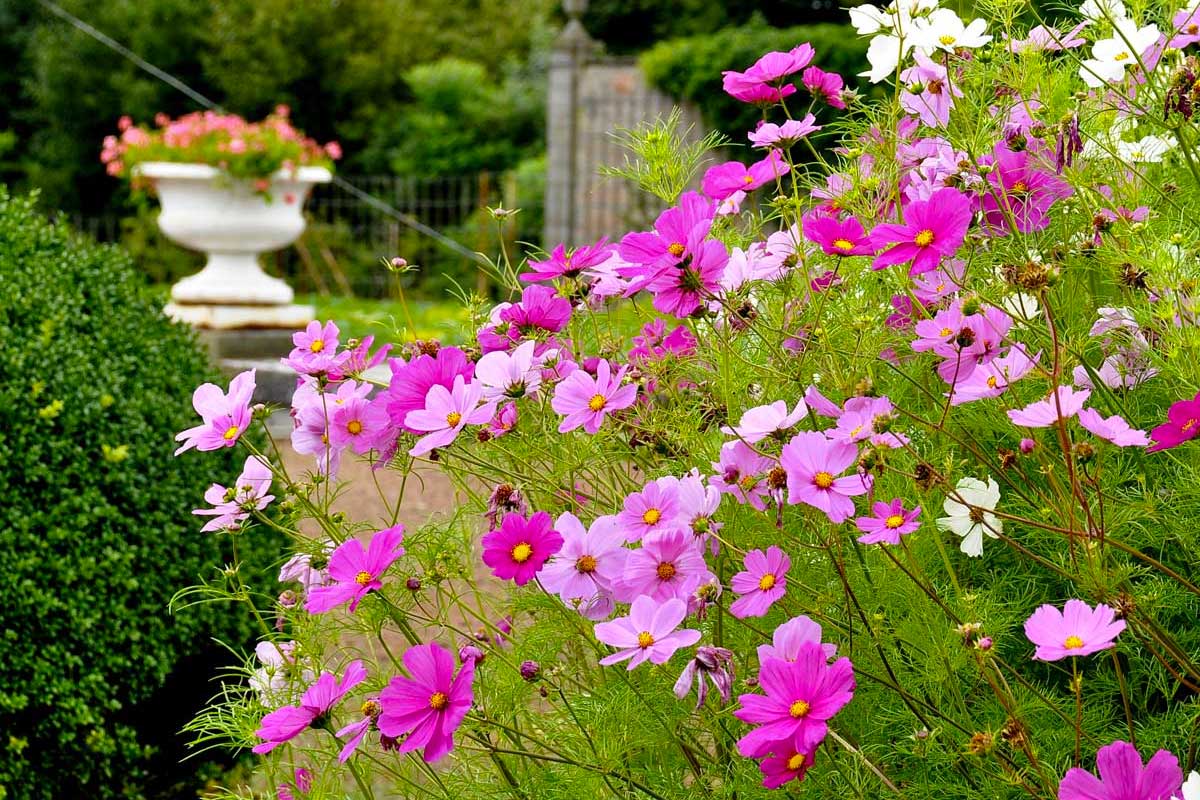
(944,30)
(1112,56)
(973,517)
(1148,149)
(896,18)
(1191,787)
(884,54)
(1102,10)
(1022,306)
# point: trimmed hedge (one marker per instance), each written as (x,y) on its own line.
(689,69)
(96,678)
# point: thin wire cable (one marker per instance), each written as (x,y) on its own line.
(175,83)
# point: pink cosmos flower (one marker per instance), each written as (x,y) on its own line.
(699,503)
(568,263)
(993,378)
(768,134)
(648,633)
(307,569)
(654,344)
(742,472)
(521,546)
(1064,402)
(1124,777)
(356,571)
(764,82)
(929,93)
(680,289)
(760,422)
(587,566)
(788,764)
(655,508)
(509,375)
(813,463)
(1049,39)
(1183,423)
(1186,24)
(504,421)
(1020,186)
(821,404)
(858,421)
(232,506)
(978,342)
(761,583)
(723,180)
(540,311)
(225,417)
(801,696)
(934,286)
(427,708)
(446,413)
(315,350)
(663,568)
(889,521)
(285,724)
(836,237)
(789,638)
(411,381)
(1077,630)
(1113,429)
(738,86)
(933,229)
(826,85)
(649,253)
(585,401)
(357,730)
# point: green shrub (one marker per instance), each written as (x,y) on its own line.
(689,69)
(96,677)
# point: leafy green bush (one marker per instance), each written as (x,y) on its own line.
(96,676)
(690,68)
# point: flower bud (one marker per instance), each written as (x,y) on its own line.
(530,670)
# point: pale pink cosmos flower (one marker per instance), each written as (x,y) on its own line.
(232,506)
(858,421)
(663,567)
(698,503)
(789,637)
(993,378)
(812,463)
(762,582)
(315,350)
(1077,630)
(768,134)
(585,401)
(648,633)
(742,473)
(446,413)
(1063,403)
(225,417)
(509,375)
(772,419)
(1113,429)
(587,566)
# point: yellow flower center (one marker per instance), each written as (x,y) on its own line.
(665,571)
(652,516)
(946,39)
(645,639)
(586,564)
(232,433)
(1187,426)
(748,179)
(945,332)
(438,701)
(676,249)
(597,402)
(843,244)
(766,581)
(453,418)
(924,238)
(1121,56)
(317,345)
(823,480)
(795,762)
(991,382)
(799,709)
(521,552)
(894,521)
(363,578)
(1073,643)
(1020,187)
(354,427)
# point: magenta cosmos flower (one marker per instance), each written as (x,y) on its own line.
(430,705)
(1077,630)
(723,180)
(836,237)
(801,697)
(284,724)
(1020,187)
(1183,423)
(1113,429)
(813,464)
(521,546)
(669,564)
(650,252)
(585,401)
(826,85)
(933,229)
(356,570)
(762,582)
(446,413)
(1064,402)
(764,82)
(679,290)
(566,263)
(225,417)
(648,633)
(787,764)
(888,522)
(1124,777)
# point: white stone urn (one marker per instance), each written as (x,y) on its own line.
(205,209)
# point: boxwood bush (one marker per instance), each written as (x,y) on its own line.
(96,677)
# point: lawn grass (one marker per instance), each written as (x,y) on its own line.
(392,320)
